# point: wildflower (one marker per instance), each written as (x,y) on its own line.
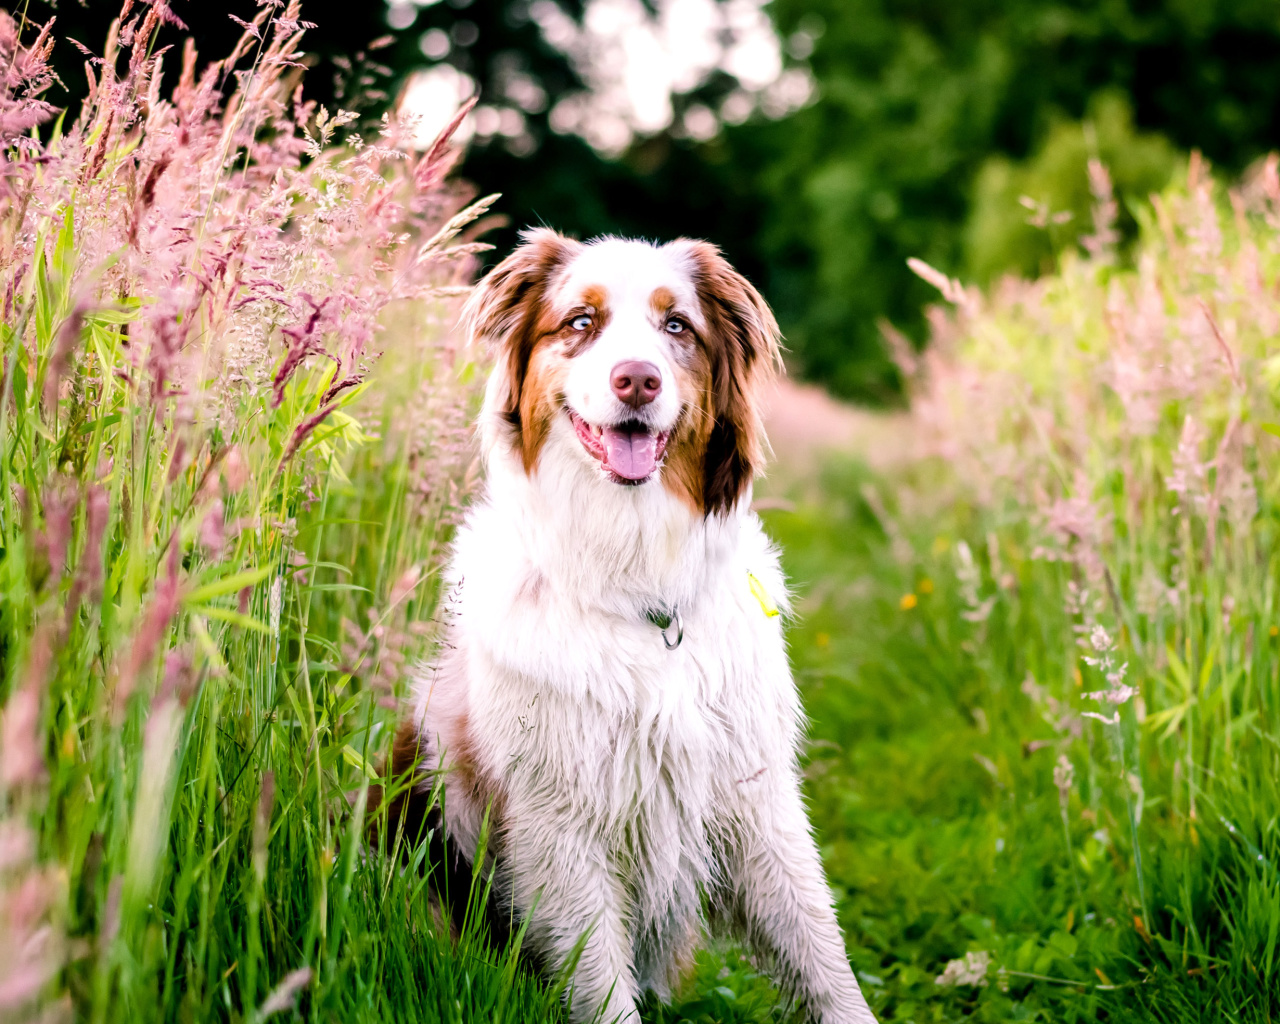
(234,470)
(925,586)
(275,604)
(59,504)
(970,578)
(88,580)
(21,759)
(1101,244)
(64,348)
(179,677)
(212,532)
(970,969)
(1117,691)
(952,290)
(1084,530)
(1099,639)
(405,585)
(1042,214)
(1063,776)
(282,997)
(1188,479)
(1057,713)
(262,824)
(155,622)
(907,602)
(1116,695)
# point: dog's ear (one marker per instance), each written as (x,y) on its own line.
(742,344)
(505,307)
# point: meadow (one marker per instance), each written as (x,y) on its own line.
(1039,656)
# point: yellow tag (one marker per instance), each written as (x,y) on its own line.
(757,590)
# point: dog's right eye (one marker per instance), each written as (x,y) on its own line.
(580,323)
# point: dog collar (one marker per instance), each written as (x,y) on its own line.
(665,619)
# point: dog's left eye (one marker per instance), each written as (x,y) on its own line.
(675,325)
(580,323)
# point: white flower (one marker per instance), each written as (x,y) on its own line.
(1118,695)
(1100,639)
(274,603)
(971,969)
(1063,775)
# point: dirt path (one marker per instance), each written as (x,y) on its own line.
(804,423)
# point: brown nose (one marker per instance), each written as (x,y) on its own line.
(636,383)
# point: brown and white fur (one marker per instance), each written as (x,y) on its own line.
(628,784)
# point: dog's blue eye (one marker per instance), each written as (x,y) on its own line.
(580,323)
(675,326)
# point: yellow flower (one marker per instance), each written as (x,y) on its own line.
(926,586)
(822,639)
(1274,631)
(908,602)
(940,544)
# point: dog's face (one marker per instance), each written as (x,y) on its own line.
(645,361)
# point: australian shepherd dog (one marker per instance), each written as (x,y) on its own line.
(613,692)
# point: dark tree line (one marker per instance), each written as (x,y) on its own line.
(916,100)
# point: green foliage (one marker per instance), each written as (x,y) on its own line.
(219,537)
(941,833)
(917,106)
(198,774)
(928,120)
(1025,212)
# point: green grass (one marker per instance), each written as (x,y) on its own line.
(192,722)
(932,790)
(940,835)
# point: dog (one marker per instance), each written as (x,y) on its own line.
(613,705)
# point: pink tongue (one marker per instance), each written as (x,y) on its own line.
(631,456)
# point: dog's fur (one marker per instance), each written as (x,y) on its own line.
(629,785)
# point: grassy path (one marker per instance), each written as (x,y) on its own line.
(931,787)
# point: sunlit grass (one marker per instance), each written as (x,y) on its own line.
(1041,662)
(233,440)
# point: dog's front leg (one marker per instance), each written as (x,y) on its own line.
(565,876)
(781,900)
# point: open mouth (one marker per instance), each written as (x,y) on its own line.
(630,451)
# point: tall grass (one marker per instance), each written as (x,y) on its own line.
(1113,433)
(232,443)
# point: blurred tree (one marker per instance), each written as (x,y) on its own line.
(1023,213)
(917,95)
(345,69)
(931,121)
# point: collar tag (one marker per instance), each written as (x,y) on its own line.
(760,594)
(665,621)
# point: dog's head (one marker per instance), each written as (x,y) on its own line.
(646,361)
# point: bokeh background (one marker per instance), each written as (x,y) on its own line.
(820,143)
